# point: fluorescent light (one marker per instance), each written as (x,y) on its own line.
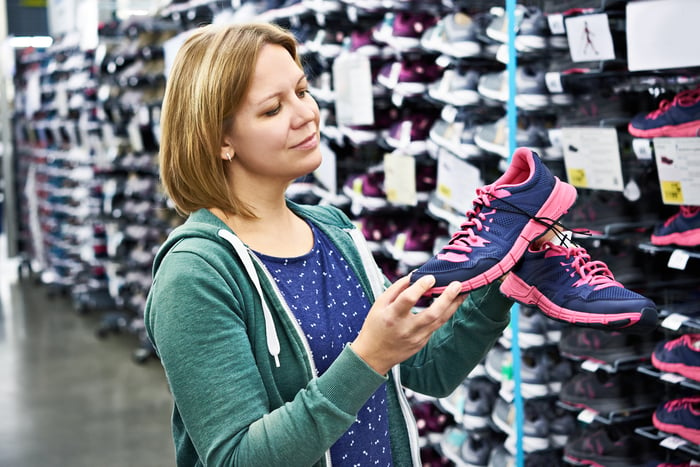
(38,42)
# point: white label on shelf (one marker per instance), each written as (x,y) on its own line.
(678,260)
(678,167)
(556,24)
(352,85)
(587,416)
(674,321)
(673,442)
(592,158)
(642,148)
(590,365)
(672,378)
(553,81)
(400,179)
(457,181)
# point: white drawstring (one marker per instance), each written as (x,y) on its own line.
(273,342)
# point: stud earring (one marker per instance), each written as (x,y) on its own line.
(228,156)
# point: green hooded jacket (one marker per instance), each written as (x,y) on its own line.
(240,370)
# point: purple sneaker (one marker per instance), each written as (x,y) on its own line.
(507,215)
(568,286)
(681,229)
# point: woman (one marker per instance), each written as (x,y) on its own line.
(282,342)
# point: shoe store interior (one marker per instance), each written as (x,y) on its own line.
(431,114)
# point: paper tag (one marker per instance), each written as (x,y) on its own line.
(590,365)
(352,83)
(556,24)
(457,181)
(589,38)
(553,81)
(400,179)
(587,416)
(642,148)
(592,158)
(673,442)
(674,321)
(672,378)
(679,174)
(678,259)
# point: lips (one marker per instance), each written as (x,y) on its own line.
(307,143)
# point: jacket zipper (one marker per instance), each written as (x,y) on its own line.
(295,325)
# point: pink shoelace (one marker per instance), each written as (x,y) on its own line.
(684,99)
(690,403)
(592,272)
(687,340)
(467,237)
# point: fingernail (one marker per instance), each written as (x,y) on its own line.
(455,287)
(428,280)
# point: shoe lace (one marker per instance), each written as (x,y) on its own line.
(682,403)
(467,237)
(683,98)
(592,272)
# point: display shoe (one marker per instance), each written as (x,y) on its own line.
(678,118)
(611,446)
(507,215)
(680,355)
(567,285)
(681,229)
(680,417)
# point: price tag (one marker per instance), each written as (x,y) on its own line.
(553,81)
(678,260)
(672,378)
(400,179)
(457,181)
(352,83)
(556,24)
(642,148)
(677,167)
(587,416)
(673,442)
(672,192)
(674,321)
(590,365)
(592,157)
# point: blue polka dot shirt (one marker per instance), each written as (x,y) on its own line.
(330,306)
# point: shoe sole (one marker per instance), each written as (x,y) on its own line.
(515,288)
(560,200)
(682,369)
(688,129)
(687,238)
(690,434)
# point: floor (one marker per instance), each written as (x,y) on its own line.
(67,397)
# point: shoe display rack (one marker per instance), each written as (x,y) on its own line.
(447,106)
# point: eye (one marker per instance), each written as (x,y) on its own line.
(273,112)
(303,93)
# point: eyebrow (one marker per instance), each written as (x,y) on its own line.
(265,99)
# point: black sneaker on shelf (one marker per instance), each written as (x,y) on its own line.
(610,393)
(611,446)
(607,347)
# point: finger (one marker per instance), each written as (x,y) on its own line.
(393,291)
(444,306)
(409,297)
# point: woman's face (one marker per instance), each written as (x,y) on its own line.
(275,133)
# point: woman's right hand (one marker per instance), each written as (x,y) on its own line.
(392,332)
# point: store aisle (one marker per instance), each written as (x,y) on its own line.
(68,398)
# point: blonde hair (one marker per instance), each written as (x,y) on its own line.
(209,78)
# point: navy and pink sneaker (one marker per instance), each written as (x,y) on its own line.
(567,285)
(525,202)
(679,417)
(681,229)
(680,355)
(678,118)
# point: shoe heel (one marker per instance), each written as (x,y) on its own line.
(514,288)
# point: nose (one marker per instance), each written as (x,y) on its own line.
(305,111)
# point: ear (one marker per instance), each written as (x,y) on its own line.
(227,152)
